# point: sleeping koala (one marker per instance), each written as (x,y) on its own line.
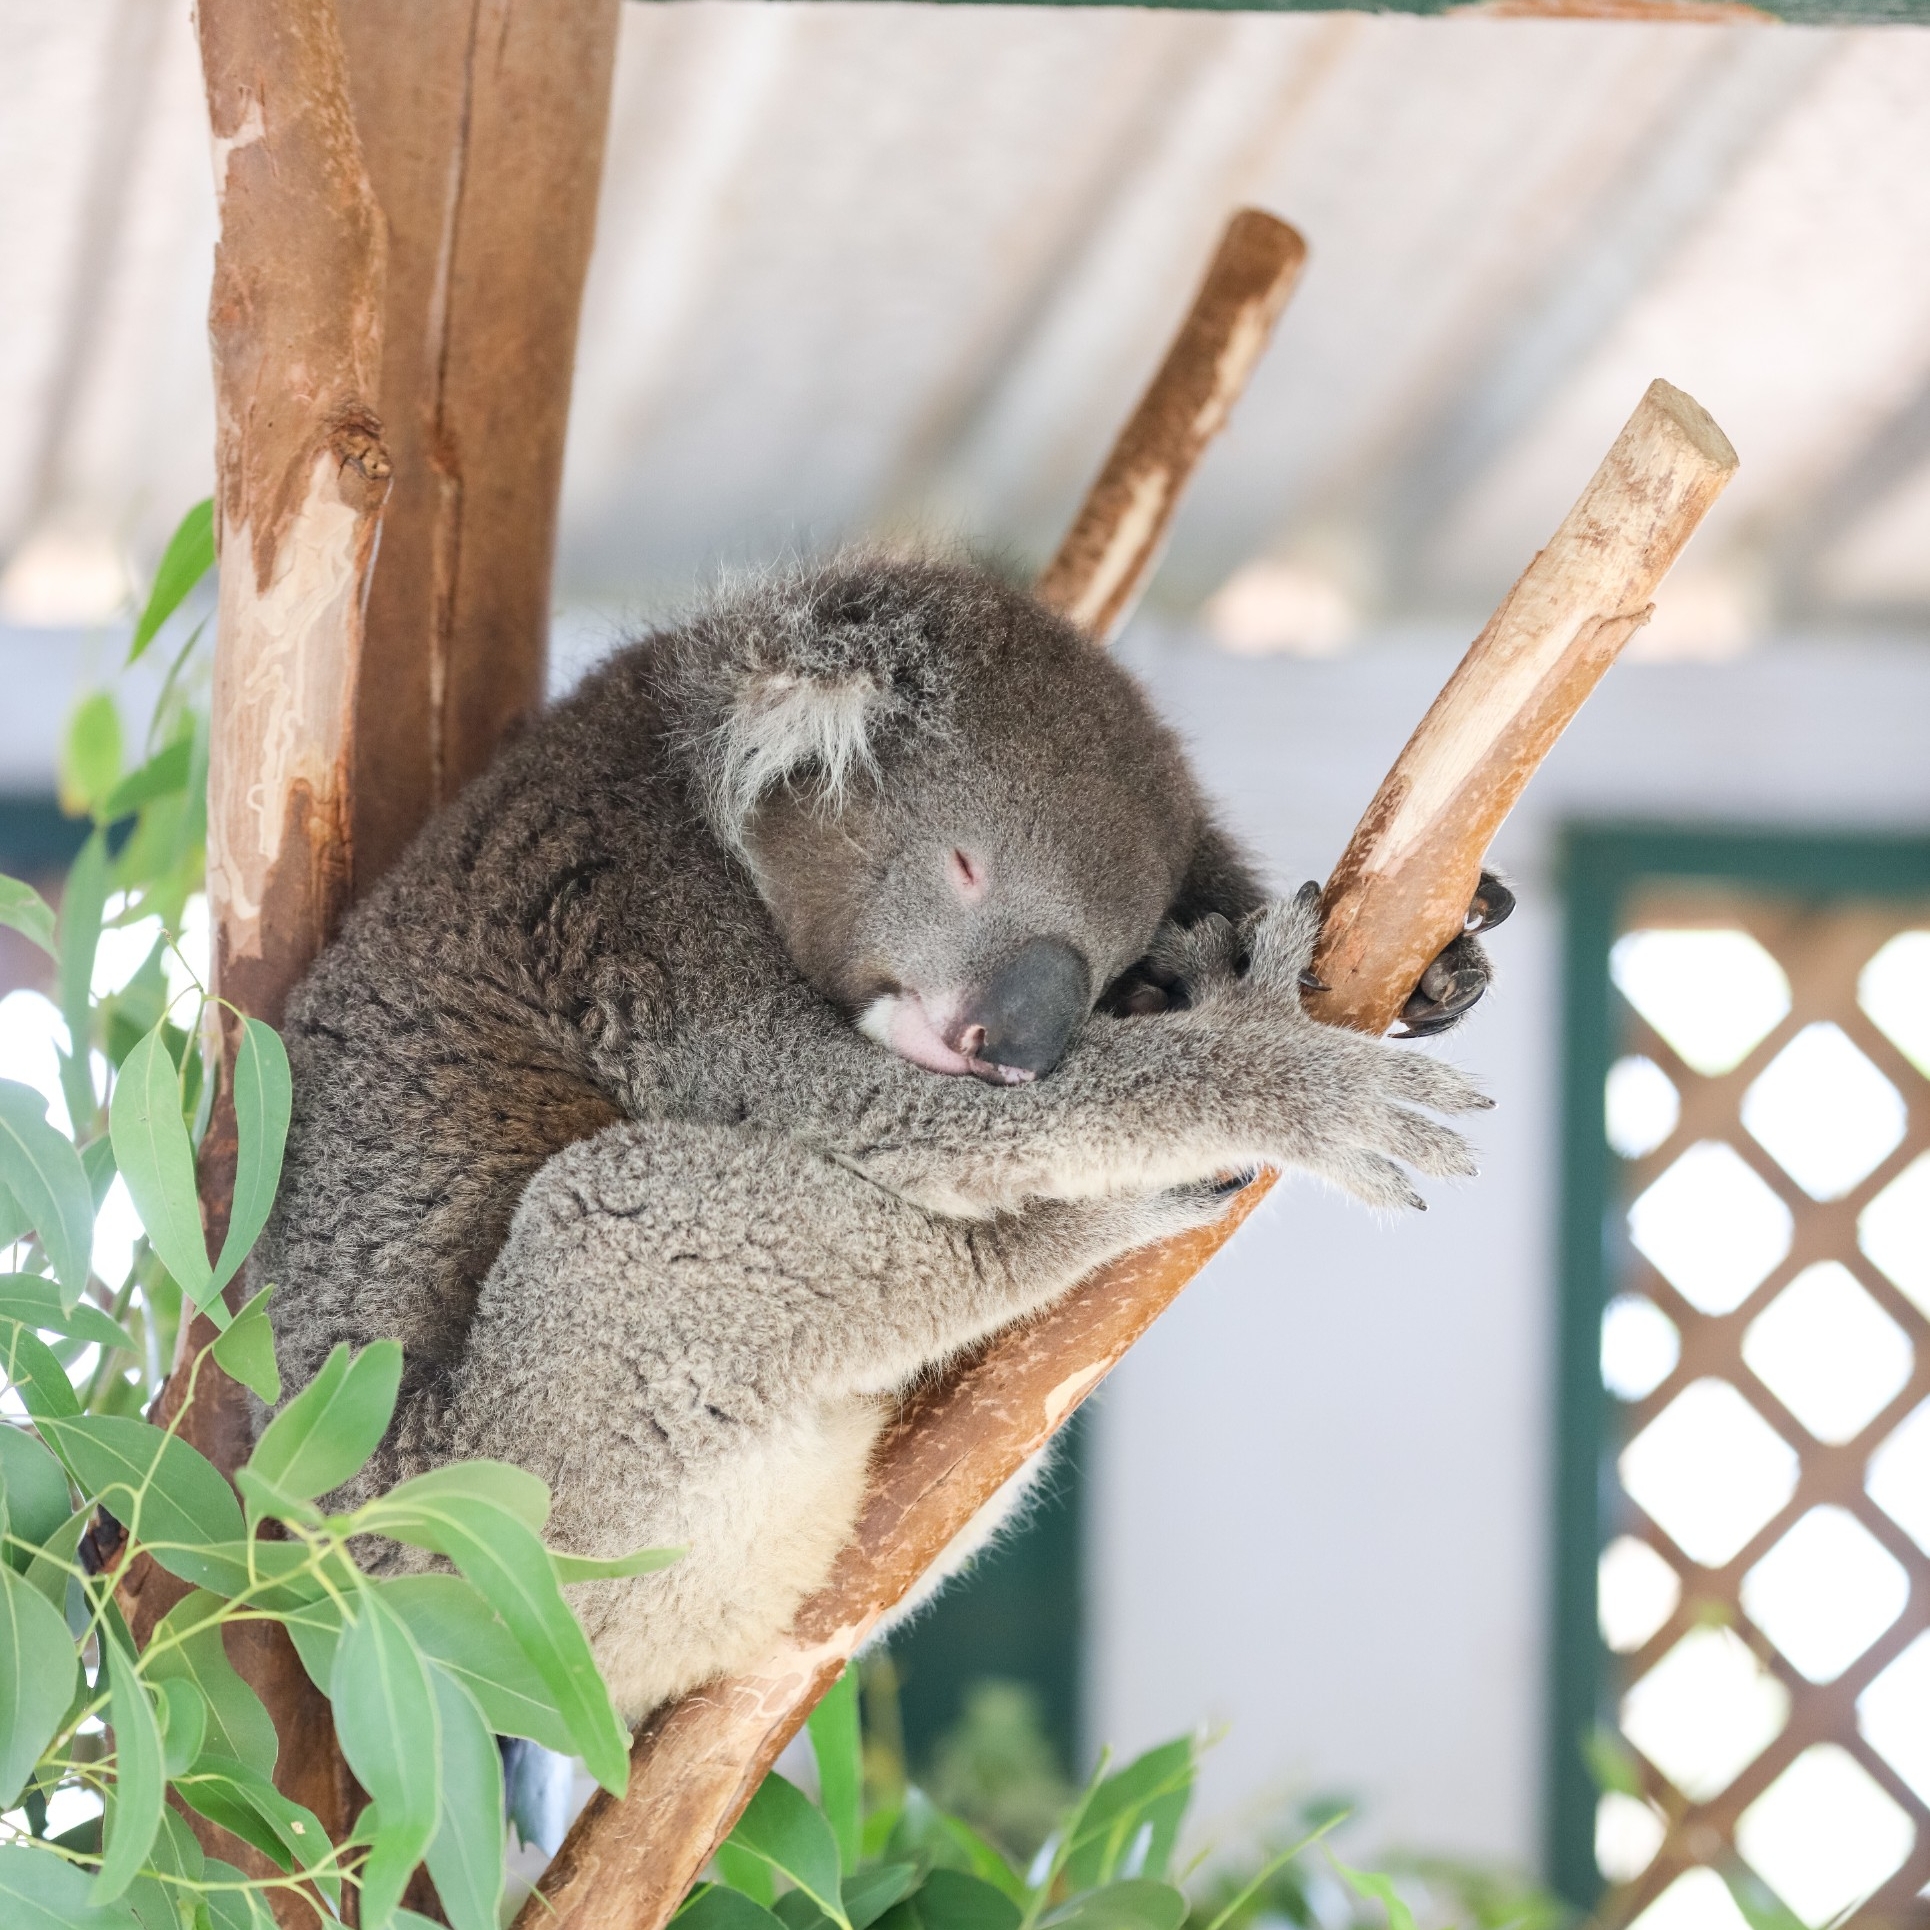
(829,982)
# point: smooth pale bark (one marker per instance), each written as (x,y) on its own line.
(627,1863)
(1116,539)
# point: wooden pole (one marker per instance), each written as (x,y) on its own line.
(484,124)
(1115,540)
(627,1863)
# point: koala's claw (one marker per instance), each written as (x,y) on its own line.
(1454,983)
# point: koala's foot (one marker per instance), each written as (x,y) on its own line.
(1457,979)
(1343,1105)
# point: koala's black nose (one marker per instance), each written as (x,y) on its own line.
(1031,1007)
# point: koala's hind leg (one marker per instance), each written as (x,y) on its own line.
(690,1333)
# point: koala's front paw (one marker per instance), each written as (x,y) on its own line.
(1460,976)
(1339,1103)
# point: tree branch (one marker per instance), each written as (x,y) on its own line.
(627,1863)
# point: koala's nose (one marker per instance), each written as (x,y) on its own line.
(1028,1011)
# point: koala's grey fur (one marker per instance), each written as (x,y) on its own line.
(583,1119)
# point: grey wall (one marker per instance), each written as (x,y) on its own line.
(1319,1503)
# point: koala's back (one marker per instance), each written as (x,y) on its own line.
(490,1003)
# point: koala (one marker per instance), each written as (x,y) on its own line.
(835,978)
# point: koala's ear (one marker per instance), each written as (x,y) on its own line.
(784,724)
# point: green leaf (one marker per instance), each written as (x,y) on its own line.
(184,1723)
(592,1568)
(1380,1889)
(511,1567)
(245,1803)
(140,1777)
(718,1907)
(870,1893)
(840,1759)
(951,1900)
(237,1724)
(160,1487)
(164,774)
(188,557)
(36,1680)
(495,1484)
(151,1148)
(262,1100)
(230,1909)
(246,1349)
(82,900)
(38,1891)
(43,1172)
(223,1567)
(390,1730)
(325,1434)
(796,1911)
(37,1497)
(28,1298)
(50,1573)
(36,1372)
(90,754)
(783,1828)
(944,1842)
(175,1853)
(466,1853)
(1139,1903)
(461,1634)
(1141,1804)
(22,909)
(749,1874)
(1272,1867)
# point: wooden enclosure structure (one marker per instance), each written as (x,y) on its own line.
(407,203)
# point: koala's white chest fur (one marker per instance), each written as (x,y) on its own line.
(762,1526)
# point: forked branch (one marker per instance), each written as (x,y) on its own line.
(1396,899)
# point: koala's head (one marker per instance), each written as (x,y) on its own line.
(965,820)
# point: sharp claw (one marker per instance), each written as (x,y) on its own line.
(1313,983)
(1492,904)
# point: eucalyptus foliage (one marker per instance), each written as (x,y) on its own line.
(423,1672)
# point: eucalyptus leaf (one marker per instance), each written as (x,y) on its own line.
(718,1907)
(78,928)
(51,1572)
(22,909)
(262,1102)
(188,557)
(1145,1802)
(1138,1903)
(325,1434)
(223,1566)
(246,1804)
(164,774)
(390,1729)
(41,1891)
(237,1725)
(952,1900)
(155,1159)
(783,1828)
(840,1758)
(43,1172)
(36,1680)
(872,1891)
(460,1633)
(37,1495)
(1378,1889)
(140,1777)
(38,1377)
(592,1568)
(165,1491)
(465,1855)
(35,1302)
(496,1484)
(90,753)
(184,1723)
(245,1348)
(501,1555)
(234,1909)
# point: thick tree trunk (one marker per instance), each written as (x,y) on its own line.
(627,1863)
(483,122)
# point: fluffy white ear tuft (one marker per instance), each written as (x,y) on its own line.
(784,723)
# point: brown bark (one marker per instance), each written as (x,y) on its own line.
(627,1863)
(1403,885)
(483,122)
(1116,539)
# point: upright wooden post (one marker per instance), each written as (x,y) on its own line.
(483,123)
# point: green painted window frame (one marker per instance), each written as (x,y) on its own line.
(1601,866)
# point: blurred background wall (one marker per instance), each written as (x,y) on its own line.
(898,271)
